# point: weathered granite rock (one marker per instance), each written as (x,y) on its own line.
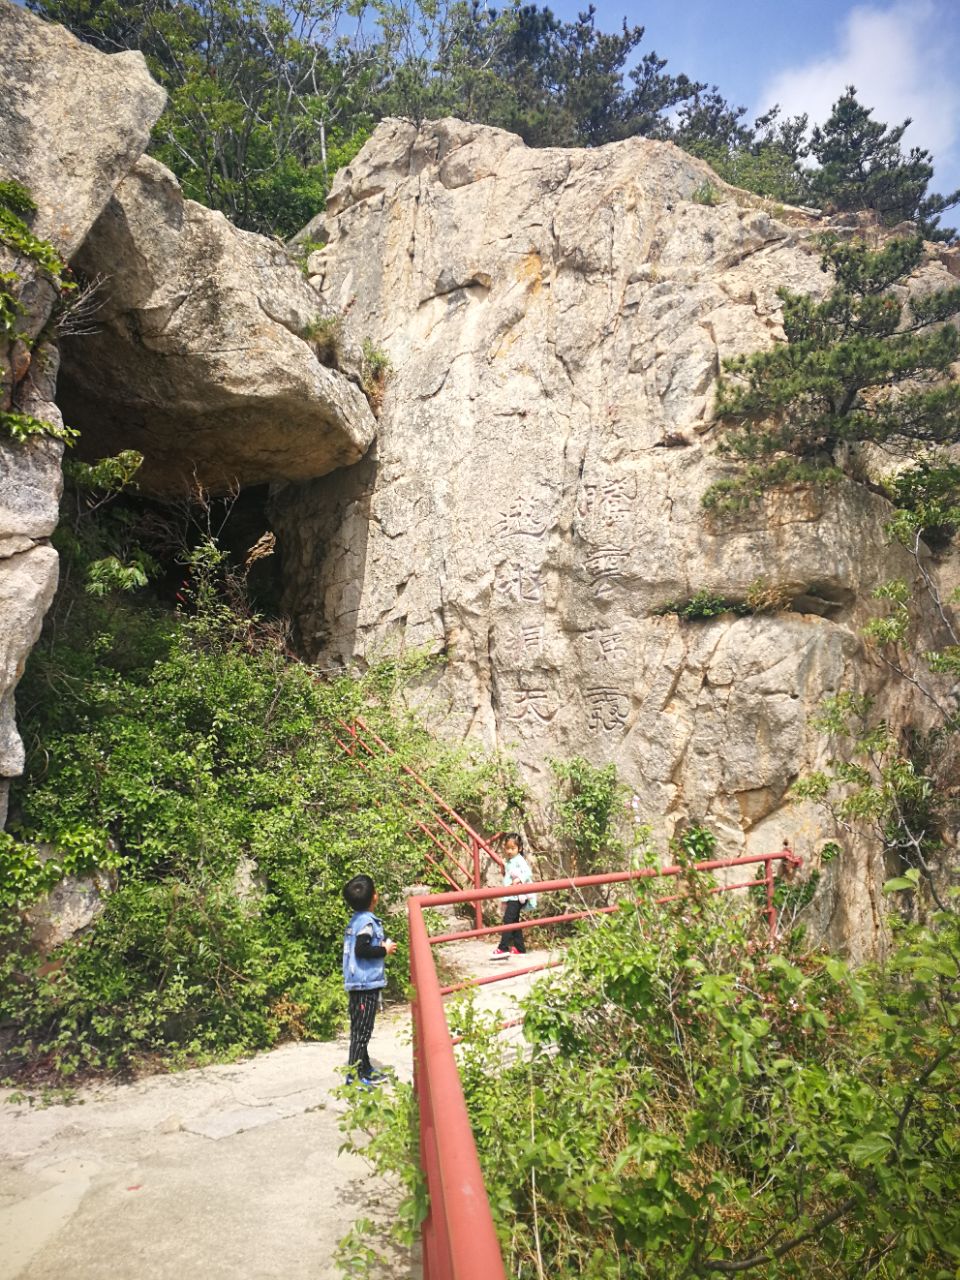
(198,360)
(30,487)
(70,907)
(72,122)
(556,321)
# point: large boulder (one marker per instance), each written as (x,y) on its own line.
(201,359)
(72,122)
(556,321)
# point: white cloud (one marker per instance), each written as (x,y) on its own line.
(902,57)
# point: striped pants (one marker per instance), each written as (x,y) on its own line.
(363,1007)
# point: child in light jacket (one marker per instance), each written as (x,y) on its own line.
(516,871)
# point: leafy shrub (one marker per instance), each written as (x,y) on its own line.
(694,1104)
(870,362)
(376,370)
(301,251)
(24,426)
(927,497)
(17,205)
(10,307)
(702,607)
(191,754)
(590,803)
(15,197)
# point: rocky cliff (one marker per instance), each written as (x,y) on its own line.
(556,321)
(70,159)
(195,351)
(529,505)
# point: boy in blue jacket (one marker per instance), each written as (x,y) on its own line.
(365,948)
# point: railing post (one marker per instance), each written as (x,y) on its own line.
(771,909)
(477,909)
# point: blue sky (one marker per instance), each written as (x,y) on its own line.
(903,56)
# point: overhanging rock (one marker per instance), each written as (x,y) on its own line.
(199,361)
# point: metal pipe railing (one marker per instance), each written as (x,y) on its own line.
(459,1237)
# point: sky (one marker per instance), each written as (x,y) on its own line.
(902,55)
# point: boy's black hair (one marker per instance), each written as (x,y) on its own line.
(358,893)
(513,835)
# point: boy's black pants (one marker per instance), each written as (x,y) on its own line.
(363,1007)
(512,937)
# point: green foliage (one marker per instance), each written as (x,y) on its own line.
(325,334)
(266,101)
(10,307)
(302,249)
(702,606)
(16,204)
(105,476)
(882,781)
(193,758)
(760,597)
(694,1104)
(24,426)
(522,68)
(590,805)
(707,194)
(927,498)
(376,371)
(863,364)
(861,166)
(15,197)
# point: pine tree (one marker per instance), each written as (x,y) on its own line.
(863,167)
(862,365)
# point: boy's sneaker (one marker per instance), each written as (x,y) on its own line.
(515,951)
(371,1081)
(376,1077)
(499,955)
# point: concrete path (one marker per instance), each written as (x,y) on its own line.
(226,1171)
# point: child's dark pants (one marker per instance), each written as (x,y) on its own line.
(512,937)
(363,1007)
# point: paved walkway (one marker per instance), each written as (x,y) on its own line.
(226,1171)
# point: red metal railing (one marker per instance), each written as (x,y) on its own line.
(451,834)
(459,1238)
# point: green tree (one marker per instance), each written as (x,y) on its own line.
(764,157)
(862,166)
(590,806)
(266,100)
(862,365)
(521,68)
(871,363)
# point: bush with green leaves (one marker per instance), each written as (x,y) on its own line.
(695,1104)
(589,804)
(192,757)
(22,427)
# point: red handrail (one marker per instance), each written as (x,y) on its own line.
(473,845)
(459,1237)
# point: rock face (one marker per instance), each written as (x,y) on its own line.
(198,361)
(72,122)
(556,321)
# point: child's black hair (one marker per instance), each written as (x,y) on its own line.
(358,893)
(513,835)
